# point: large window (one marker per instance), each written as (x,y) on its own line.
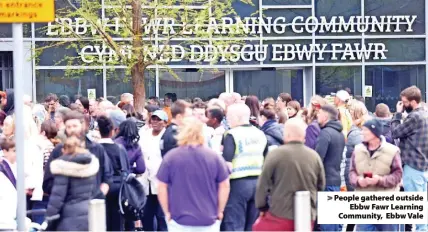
(269,83)
(398,7)
(388,81)
(119,82)
(205,84)
(55,81)
(332,79)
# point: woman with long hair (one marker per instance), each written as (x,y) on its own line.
(313,129)
(73,187)
(360,115)
(128,137)
(253,103)
(193,182)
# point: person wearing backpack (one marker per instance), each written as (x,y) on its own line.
(115,221)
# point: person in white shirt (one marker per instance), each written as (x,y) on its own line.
(215,116)
(150,143)
(8,195)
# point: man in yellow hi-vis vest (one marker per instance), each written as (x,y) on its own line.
(244,148)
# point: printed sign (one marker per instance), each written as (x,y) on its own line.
(92,94)
(27,11)
(372,208)
(368,90)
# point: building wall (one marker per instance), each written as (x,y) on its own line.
(405,64)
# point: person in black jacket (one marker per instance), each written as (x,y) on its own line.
(330,146)
(115,222)
(273,130)
(179,110)
(75,126)
(73,183)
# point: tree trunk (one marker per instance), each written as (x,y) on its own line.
(137,71)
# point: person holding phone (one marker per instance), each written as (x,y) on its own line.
(375,166)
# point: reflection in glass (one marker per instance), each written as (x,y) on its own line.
(402,50)
(269,83)
(388,81)
(205,84)
(54,81)
(398,7)
(289,15)
(331,8)
(286,2)
(243,9)
(332,79)
(6,30)
(119,82)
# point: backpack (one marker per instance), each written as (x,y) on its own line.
(132,197)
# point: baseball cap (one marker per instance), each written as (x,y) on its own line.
(160,114)
(342,95)
(117,117)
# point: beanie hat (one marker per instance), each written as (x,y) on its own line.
(375,127)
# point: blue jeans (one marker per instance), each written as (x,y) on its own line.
(415,181)
(335,227)
(175,227)
(384,227)
(240,212)
(43,204)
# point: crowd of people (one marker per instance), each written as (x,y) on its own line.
(233,163)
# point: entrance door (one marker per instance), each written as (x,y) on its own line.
(6,70)
(265,83)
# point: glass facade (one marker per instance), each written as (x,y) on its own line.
(404,62)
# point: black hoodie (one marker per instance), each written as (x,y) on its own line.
(330,146)
(9,108)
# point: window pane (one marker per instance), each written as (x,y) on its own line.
(400,50)
(331,8)
(289,15)
(269,83)
(398,8)
(332,79)
(66,54)
(55,81)
(244,9)
(388,81)
(286,2)
(6,30)
(205,84)
(119,82)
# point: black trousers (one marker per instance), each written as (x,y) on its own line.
(115,221)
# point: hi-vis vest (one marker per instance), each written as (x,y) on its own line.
(250,144)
